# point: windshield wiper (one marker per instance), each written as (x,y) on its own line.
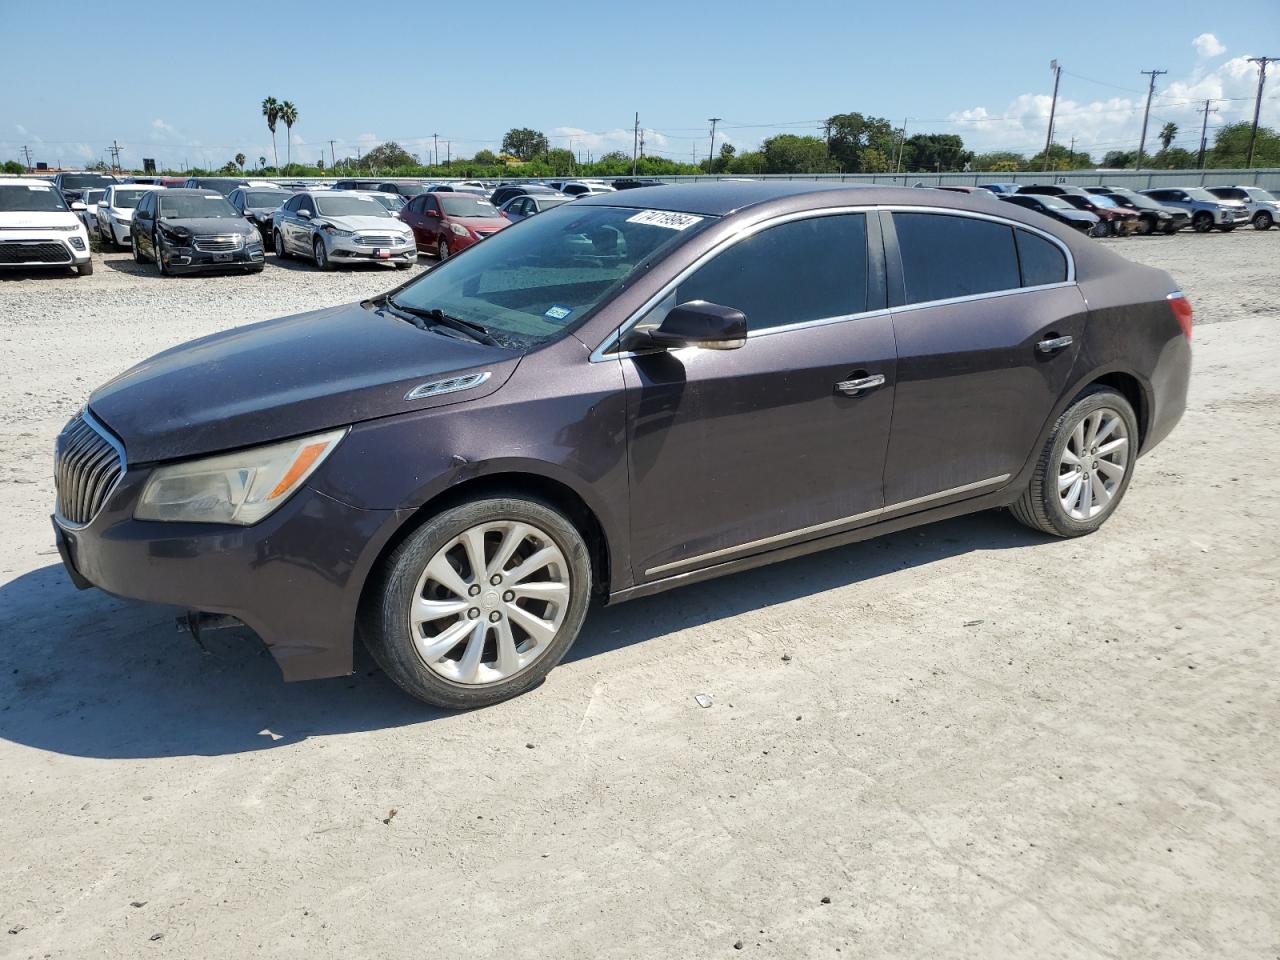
(474,330)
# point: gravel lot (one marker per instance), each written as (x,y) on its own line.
(962,741)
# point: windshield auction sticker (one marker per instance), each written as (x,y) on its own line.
(665,218)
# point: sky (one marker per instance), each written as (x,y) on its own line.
(185,86)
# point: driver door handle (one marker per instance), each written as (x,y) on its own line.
(1054,344)
(854,388)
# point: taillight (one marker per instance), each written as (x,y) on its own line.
(1181,307)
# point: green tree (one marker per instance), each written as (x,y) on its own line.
(998,161)
(271,110)
(560,161)
(240,161)
(524,143)
(486,158)
(388,156)
(1174,158)
(1060,158)
(288,116)
(788,153)
(262,162)
(13,167)
(1120,159)
(723,162)
(936,151)
(1231,147)
(852,135)
(1167,133)
(751,161)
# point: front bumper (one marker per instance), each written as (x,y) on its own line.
(345,248)
(43,248)
(294,578)
(191,260)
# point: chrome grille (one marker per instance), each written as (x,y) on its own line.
(377,240)
(86,466)
(221,244)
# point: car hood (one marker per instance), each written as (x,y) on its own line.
(364,223)
(480,223)
(207,225)
(39,219)
(1075,214)
(283,378)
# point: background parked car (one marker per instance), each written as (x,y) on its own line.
(89,215)
(40,228)
(184,231)
(972,191)
(73,184)
(584,188)
(393,202)
(1055,208)
(338,226)
(446,223)
(1263,208)
(458,188)
(257,204)
(405,188)
(115,211)
(358,183)
(1113,219)
(1206,210)
(505,192)
(1000,188)
(633,183)
(224,185)
(525,206)
(1152,216)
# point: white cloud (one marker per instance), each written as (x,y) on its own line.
(1207,45)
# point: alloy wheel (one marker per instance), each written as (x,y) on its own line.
(1093,464)
(442,249)
(490,602)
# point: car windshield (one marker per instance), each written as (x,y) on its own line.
(409,189)
(1257,193)
(30,197)
(546,203)
(462,205)
(532,284)
(1138,200)
(266,198)
(349,207)
(1056,203)
(127,198)
(194,206)
(1199,193)
(1102,201)
(392,201)
(78,181)
(94,196)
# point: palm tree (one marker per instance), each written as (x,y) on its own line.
(240,158)
(271,110)
(262,162)
(1167,133)
(289,115)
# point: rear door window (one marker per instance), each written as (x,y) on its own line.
(945,256)
(1041,260)
(795,272)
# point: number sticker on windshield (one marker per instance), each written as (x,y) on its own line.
(38,186)
(665,218)
(558,312)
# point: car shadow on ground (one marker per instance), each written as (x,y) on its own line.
(86,674)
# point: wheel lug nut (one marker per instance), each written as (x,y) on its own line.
(495,579)
(473,613)
(509,596)
(474,590)
(495,617)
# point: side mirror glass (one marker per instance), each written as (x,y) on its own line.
(696,323)
(304,213)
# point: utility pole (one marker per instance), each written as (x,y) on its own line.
(642,143)
(712,154)
(1257,106)
(1053,109)
(902,140)
(333,160)
(435,149)
(1071,154)
(1204,131)
(635,144)
(1151,90)
(448,153)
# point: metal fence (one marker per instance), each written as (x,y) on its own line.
(1267,178)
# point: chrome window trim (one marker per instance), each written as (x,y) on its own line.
(829,524)
(602,352)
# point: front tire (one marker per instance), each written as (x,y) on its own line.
(442,249)
(321,255)
(281,252)
(1202,222)
(133,242)
(1146,226)
(479,603)
(85,269)
(159,252)
(1262,220)
(1084,468)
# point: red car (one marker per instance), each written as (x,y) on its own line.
(445,223)
(1113,219)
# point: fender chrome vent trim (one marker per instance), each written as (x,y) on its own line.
(436,388)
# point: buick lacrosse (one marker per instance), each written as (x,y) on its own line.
(624,394)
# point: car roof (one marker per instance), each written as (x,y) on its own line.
(189,192)
(722,198)
(21,181)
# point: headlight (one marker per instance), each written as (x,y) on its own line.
(335,232)
(459,229)
(74,226)
(251,238)
(242,487)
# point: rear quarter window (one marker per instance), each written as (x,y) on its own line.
(1041,261)
(945,256)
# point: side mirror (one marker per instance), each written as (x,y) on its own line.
(433,213)
(696,324)
(304,213)
(78,207)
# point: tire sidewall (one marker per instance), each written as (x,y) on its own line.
(1058,517)
(384,624)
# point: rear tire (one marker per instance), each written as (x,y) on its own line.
(133,242)
(1093,445)
(478,670)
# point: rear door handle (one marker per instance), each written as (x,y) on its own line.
(1054,344)
(853,388)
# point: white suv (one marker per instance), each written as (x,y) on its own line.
(115,211)
(38,229)
(1264,209)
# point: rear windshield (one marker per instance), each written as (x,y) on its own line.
(531,284)
(349,207)
(127,198)
(266,198)
(31,197)
(392,201)
(78,181)
(93,196)
(191,207)
(461,205)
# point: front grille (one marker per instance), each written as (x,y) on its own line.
(377,240)
(222,244)
(86,466)
(33,251)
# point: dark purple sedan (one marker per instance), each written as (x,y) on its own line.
(621,395)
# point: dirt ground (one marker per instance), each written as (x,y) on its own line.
(962,741)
